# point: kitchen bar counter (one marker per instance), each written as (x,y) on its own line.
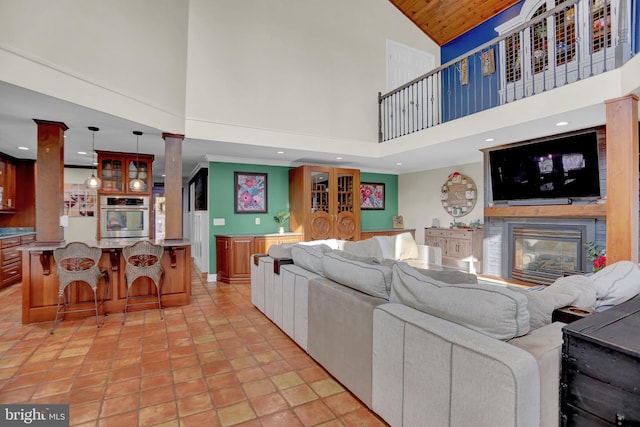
(40,278)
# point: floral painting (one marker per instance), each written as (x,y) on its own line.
(371,196)
(250,192)
(79,201)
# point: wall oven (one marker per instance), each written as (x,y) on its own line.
(124,216)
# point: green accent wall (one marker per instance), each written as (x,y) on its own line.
(221,202)
(381,219)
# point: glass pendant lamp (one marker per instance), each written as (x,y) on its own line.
(93,182)
(137,184)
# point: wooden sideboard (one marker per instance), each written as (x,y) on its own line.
(461,248)
(233,253)
(389,232)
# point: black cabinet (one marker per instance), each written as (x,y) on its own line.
(600,384)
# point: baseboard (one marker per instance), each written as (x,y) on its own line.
(212,278)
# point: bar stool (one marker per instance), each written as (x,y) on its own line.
(78,262)
(143,260)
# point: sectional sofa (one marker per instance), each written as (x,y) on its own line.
(419,344)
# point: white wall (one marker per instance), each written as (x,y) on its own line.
(80,228)
(300,74)
(419,197)
(126,58)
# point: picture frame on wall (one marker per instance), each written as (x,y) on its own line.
(372,196)
(398,221)
(250,192)
(488,62)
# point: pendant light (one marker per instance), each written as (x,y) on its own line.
(137,184)
(93,182)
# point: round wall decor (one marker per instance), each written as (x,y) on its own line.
(458,195)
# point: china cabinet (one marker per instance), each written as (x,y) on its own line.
(116,170)
(324,202)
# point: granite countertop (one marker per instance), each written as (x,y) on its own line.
(15,231)
(103,244)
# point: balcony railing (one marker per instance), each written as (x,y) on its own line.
(575,40)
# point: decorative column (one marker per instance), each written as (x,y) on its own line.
(173,185)
(622,179)
(50,181)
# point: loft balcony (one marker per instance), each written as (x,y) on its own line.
(574,41)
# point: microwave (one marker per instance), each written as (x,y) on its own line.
(124,217)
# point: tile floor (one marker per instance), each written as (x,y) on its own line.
(215,362)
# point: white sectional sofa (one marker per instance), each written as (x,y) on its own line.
(419,347)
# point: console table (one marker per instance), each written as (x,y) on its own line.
(461,248)
(600,384)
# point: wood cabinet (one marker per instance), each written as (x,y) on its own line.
(391,232)
(11,258)
(233,254)
(324,202)
(7,184)
(116,170)
(601,368)
(461,248)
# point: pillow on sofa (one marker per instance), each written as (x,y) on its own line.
(282,250)
(364,248)
(387,246)
(615,284)
(489,309)
(368,277)
(309,257)
(353,257)
(406,246)
(541,305)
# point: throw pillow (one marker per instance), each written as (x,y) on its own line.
(450,276)
(280,251)
(387,246)
(364,248)
(309,257)
(541,305)
(615,284)
(406,247)
(492,310)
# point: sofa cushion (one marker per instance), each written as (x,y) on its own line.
(406,246)
(615,284)
(489,309)
(541,305)
(387,246)
(309,257)
(364,248)
(449,276)
(370,278)
(280,251)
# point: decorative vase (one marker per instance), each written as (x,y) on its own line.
(281,230)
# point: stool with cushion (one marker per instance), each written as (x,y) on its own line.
(143,260)
(78,262)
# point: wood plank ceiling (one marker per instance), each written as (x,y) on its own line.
(444,20)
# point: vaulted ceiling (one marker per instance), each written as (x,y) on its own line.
(444,20)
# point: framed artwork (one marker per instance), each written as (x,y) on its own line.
(79,200)
(250,195)
(398,221)
(488,62)
(464,71)
(371,195)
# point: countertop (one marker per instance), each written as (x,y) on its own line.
(103,244)
(14,232)
(287,233)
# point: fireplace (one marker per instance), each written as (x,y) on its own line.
(540,252)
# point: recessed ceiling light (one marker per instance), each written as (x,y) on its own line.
(338,158)
(562,123)
(280,152)
(84,153)
(489,140)
(398,164)
(23,148)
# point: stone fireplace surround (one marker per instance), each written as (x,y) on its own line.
(499,243)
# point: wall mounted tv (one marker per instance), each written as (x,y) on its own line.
(564,167)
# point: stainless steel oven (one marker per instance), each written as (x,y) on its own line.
(124,216)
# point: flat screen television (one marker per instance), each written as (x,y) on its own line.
(566,167)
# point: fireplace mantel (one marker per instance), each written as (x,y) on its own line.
(598,210)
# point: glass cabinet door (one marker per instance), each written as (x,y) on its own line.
(139,169)
(111,171)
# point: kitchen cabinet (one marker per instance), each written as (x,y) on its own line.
(116,170)
(461,248)
(11,258)
(324,202)
(233,254)
(7,184)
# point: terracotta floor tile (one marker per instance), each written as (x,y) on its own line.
(236,414)
(268,404)
(299,394)
(216,362)
(313,413)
